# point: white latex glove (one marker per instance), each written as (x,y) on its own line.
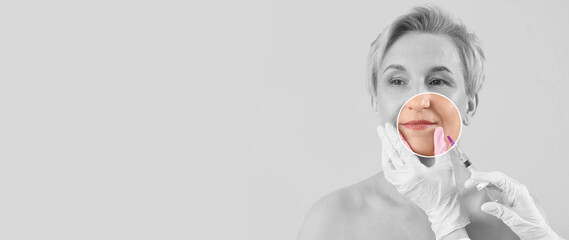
(521,214)
(432,189)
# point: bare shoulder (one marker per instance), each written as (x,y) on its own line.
(328,217)
(337,214)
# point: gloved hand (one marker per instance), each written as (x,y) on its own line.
(432,189)
(440,141)
(521,214)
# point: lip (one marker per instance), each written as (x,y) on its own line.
(419,124)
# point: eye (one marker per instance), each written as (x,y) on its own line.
(396,82)
(438,81)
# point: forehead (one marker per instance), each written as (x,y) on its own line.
(421,51)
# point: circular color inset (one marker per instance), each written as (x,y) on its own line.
(425,121)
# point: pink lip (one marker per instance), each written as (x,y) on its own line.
(418,124)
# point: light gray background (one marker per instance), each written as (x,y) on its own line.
(227,120)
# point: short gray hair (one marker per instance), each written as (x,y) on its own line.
(430,19)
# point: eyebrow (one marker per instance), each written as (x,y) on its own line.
(440,69)
(433,69)
(395,66)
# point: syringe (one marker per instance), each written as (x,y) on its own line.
(468,165)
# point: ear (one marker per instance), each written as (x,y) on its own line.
(374,105)
(472,106)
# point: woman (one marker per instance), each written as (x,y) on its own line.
(423,51)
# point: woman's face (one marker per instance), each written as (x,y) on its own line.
(421,115)
(421,62)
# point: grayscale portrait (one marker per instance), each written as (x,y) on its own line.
(426,50)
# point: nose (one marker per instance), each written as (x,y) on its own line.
(419,102)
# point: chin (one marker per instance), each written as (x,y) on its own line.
(421,145)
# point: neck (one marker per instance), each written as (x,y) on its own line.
(427,161)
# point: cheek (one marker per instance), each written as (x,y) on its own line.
(450,119)
(459,98)
(390,102)
(462,106)
(451,123)
(389,109)
(388,114)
